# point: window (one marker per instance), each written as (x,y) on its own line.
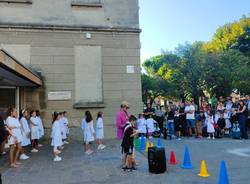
(87,3)
(88,75)
(17,1)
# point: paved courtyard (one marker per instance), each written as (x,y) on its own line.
(103,166)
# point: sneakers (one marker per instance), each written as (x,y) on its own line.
(209,137)
(213,138)
(57,159)
(24,157)
(34,150)
(88,152)
(65,142)
(39,145)
(101,147)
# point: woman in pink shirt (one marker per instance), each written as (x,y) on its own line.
(121,119)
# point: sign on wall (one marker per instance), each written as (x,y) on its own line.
(130,69)
(59,95)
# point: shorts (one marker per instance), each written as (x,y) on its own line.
(190,123)
(128,150)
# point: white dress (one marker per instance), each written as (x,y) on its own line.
(17,134)
(34,126)
(56,134)
(63,127)
(142,126)
(66,124)
(88,131)
(150,125)
(40,127)
(99,129)
(25,129)
(210,125)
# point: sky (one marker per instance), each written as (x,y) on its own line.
(167,23)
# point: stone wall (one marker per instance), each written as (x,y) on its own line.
(52,52)
(112,13)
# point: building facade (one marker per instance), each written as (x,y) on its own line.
(72,55)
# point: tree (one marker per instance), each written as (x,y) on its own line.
(228,35)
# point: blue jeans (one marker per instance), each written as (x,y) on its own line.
(170,126)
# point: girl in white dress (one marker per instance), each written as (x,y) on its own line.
(142,126)
(63,128)
(40,126)
(210,126)
(25,129)
(66,128)
(34,126)
(150,125)
(99,131)
(15,137)
(88,132)
(56,136)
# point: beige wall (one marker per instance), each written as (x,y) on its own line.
(52,52)
(114,13)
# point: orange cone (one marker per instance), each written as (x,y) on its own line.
(172,160)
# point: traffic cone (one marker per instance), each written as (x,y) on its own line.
(147,146)
(142,143)
(223,178)
(187,161)
(172,160)
(203,170)
(159,143)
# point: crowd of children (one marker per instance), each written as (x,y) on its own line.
(19,133)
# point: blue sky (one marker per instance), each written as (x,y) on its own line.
(167,23)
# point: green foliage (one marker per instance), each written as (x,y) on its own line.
(227,35)
(191,70)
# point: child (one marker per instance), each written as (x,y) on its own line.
(3,135)
(221,125)
(25,129)
(66,128)
(99,131)
(128,144)
(40,126)
(142,125)
(210,126)
(34,126)
(63,128)
(56,136)
(88,132)
(199,124)
(150,125)
(170,122)
(15,137)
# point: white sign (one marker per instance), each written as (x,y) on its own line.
(130,69)
(59,95)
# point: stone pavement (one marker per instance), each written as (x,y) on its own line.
(103,166)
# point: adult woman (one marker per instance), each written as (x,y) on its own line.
(242,115)
(15,137)
(121,119)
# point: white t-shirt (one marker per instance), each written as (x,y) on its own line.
(190,115)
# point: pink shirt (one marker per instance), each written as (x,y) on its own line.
(121,119)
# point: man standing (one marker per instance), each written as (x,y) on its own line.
(190,111)
(121,119)
(148,111)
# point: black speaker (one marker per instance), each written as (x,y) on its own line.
(156,160)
